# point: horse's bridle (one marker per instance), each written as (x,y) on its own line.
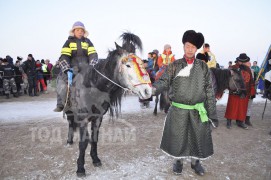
(123,60)
(130,58)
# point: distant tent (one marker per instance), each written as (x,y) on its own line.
(264,66)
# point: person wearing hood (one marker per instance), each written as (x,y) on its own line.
(77,53)
(187,131)
(10,60)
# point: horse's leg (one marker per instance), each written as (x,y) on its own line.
(83,143)
(156,103)
(72,126)
(162,101)
(95,125)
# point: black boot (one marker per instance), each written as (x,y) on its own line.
(247,121)
(198,168)
(228,123)
(241,124)
(178,167)
(16,95)
(7,96)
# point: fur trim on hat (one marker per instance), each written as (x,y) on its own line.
(77,25)
(197,39)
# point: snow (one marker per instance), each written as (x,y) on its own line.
(17,111)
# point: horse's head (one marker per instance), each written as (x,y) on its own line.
(236,82)
(131,71)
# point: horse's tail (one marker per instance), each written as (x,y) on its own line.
(131,42)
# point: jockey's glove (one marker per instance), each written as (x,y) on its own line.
(68,70)
(93,62)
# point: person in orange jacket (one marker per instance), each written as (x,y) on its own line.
(166,57)
(164,60)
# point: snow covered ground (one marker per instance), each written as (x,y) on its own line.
(34,146)
(42,110)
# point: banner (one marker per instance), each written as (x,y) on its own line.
(264,65)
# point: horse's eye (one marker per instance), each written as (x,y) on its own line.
(128,66)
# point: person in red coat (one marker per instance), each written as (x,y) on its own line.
(237,106)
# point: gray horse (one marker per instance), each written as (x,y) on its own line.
(95,90)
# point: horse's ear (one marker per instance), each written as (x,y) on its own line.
(119,48)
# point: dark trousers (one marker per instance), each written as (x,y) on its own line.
(32,83)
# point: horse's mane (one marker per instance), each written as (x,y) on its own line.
(131,42)
(222,77)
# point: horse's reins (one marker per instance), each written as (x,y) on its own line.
(125,89)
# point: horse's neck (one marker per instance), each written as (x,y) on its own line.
(106,78)
(221,79)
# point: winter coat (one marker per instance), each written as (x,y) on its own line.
(29,67)
(185,135)
(78,51)
(237,107)
(18,75)
(8,71)
(256,70)
(165,59)
(211,59)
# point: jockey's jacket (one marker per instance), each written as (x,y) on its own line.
(70,47)
(165,59)
(77,49)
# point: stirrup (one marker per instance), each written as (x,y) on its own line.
(58,109)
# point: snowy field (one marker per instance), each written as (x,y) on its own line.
(43,110)
(33,144)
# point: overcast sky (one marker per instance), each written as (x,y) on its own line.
(230,27)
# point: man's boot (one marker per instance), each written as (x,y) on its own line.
(241,124)
(7,96)
(247,121)
(198,168)
(178,167)
(228,123)
(16,95)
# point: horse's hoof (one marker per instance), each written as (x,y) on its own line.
(81,174)
(70,142)
(97,164)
